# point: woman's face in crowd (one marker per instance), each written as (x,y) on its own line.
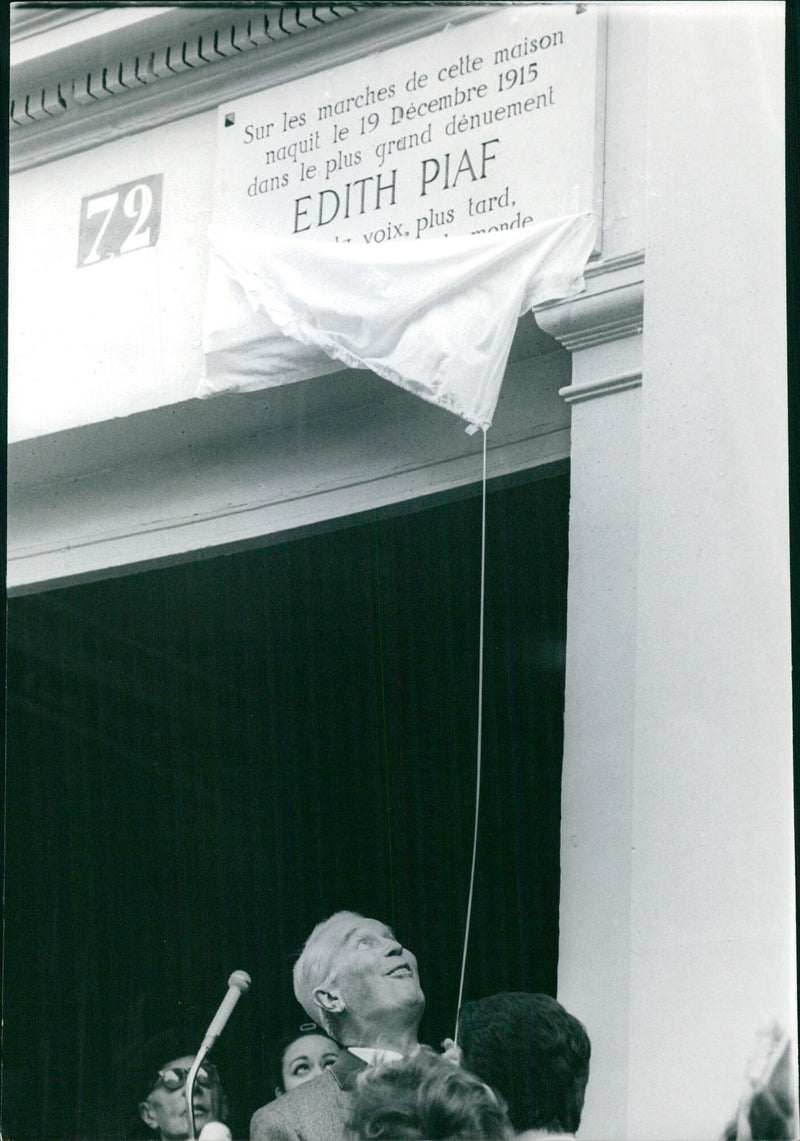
(306,1058)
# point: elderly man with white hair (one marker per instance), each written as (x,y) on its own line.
(357,982)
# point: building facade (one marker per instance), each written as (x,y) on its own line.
(662,384)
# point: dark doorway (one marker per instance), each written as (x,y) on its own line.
(205,760)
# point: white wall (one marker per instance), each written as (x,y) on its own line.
(713,888)
(677,902)
(597,775)
(123,335)
(625,178)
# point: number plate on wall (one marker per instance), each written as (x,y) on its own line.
(120,220)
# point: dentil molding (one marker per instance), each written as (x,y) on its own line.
(184,61)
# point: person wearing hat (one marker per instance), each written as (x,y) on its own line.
(165,1111)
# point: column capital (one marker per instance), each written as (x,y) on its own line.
(611,307)
(601,327)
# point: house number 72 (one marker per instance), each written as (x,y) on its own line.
(120,220)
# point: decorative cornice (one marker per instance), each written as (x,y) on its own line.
(120,76)
(222,57)
(242,32)
(612,307)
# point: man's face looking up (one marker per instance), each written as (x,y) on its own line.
(372,973)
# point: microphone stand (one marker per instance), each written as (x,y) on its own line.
(237,985)
(189,1088)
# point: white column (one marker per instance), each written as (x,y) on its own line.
(677,894)
(712,889)
(603,331)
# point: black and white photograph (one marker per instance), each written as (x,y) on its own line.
(398,674)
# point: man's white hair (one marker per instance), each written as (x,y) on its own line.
(315,964)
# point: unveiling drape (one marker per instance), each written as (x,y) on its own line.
(435,316)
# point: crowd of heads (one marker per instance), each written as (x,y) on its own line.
(522,1062)
(298,1057)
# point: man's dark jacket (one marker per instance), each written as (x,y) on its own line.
(315,1111)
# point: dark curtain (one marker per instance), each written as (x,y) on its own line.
(203,761)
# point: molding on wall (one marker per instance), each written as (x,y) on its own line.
(141,85)
(28,22)
(601,268)
(107,504)
(612,306)
(574,393)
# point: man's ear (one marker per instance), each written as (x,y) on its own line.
(147,1115)
(328,1000)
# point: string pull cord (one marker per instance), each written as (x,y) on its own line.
(479,743)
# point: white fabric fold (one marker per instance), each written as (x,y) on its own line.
(435,316)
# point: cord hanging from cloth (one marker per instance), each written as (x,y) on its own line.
(480,740)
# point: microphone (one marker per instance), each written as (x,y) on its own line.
(238,983)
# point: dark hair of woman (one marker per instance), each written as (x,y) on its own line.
(300,1056)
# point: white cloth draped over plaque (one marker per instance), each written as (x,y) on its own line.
(435,316)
